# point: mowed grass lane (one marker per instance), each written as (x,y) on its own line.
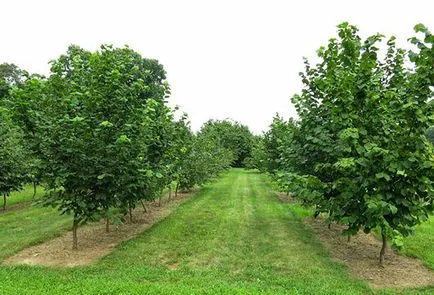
(234,237)
(421,244)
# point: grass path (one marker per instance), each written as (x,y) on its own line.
(234,237)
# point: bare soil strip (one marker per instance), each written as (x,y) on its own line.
(361,256)
(93,241)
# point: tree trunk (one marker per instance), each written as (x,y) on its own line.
(176,189)
(130,211)
(4,201)
(143,205)
(383,248)
(107,225)
(159,201)
(34,190)
(329,226)
(74,233)
(348,239)
(170,192)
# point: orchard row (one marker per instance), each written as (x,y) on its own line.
(358,151)
(98,135)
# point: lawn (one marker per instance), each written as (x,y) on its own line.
(421,244)
(24,195)
(234,237)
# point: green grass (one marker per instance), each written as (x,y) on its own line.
(421,244)
(23,195)
(234,237)
(32,225)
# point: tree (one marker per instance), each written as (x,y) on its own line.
(278,142)
(24,105)
(258,158)
(10,76)
(233,136)
(92,125)
(13,166)
(365,159)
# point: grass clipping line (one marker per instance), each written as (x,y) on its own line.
(93,241)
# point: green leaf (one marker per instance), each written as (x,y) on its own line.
(420,28)
(383,175)
(106,124)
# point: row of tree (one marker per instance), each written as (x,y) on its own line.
(358,151)
(97,133)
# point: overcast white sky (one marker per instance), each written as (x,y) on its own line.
(224,59)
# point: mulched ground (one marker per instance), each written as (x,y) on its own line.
(93,241)
(361,256)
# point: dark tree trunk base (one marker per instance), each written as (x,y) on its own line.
(74,234)
(143,205)
(107,225)
(34,190)
(383,249)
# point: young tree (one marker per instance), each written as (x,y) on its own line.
(279,145)
(258,158)
(233,136)
(13,166)
(92,126)
(365,159)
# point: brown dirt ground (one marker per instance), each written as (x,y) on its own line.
(15,207)
(361,256)
(93,241)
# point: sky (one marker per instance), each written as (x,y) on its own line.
(224,59)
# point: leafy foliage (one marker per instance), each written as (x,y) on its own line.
(359,152)
(13,165)
(233,136)
(100,136)
(92,122)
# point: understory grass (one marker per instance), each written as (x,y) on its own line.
(24,195)
(421,244)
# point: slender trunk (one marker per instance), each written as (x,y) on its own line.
(74,233)
(170,192)
(143,205)
(349,238)
(383,248)
(107,225)
(130,211)
(34,190)
(159,201)
(287,193)
(4,201)
(329,226)
(176,189)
